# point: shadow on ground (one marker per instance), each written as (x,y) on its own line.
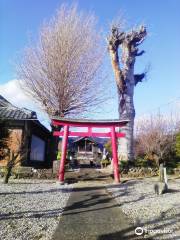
(94,200)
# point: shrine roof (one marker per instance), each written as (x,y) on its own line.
(10,112)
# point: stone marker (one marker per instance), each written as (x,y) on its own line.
(162,186)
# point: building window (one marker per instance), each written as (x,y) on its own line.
(37,149)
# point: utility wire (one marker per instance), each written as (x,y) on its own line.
(161,106)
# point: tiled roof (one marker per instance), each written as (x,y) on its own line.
(3,102)
(85,138)
(8,111)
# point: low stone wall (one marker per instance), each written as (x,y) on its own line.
(56,166)
(29,172)
(139,172)
(43,173)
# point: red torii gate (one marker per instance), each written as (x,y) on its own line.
(111,124)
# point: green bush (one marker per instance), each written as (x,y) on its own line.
(171,163)
(124,165)
(141,162)
(170,170)
(177,146)
(178,165)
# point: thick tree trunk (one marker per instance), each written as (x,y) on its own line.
(125,145)
(127,111)
(126,81)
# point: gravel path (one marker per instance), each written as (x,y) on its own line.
(31,209)
(155,213)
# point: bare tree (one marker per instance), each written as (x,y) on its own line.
(63,71)
(156,136)
(125,78)
(14,151)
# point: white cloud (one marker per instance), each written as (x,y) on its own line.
(15,95)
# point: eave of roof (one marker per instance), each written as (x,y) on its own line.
(4,102)
(14,113)
(89,138)
(10,112)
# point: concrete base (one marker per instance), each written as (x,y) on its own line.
(116,183)
(56,166)
(60,183)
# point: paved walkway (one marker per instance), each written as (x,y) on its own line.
(92,214)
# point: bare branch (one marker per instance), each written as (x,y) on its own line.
(63,71)
(156,136)
(137,54)
(139,77)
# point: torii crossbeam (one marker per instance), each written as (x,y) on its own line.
(90,124)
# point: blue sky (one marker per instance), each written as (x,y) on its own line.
(19,18)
